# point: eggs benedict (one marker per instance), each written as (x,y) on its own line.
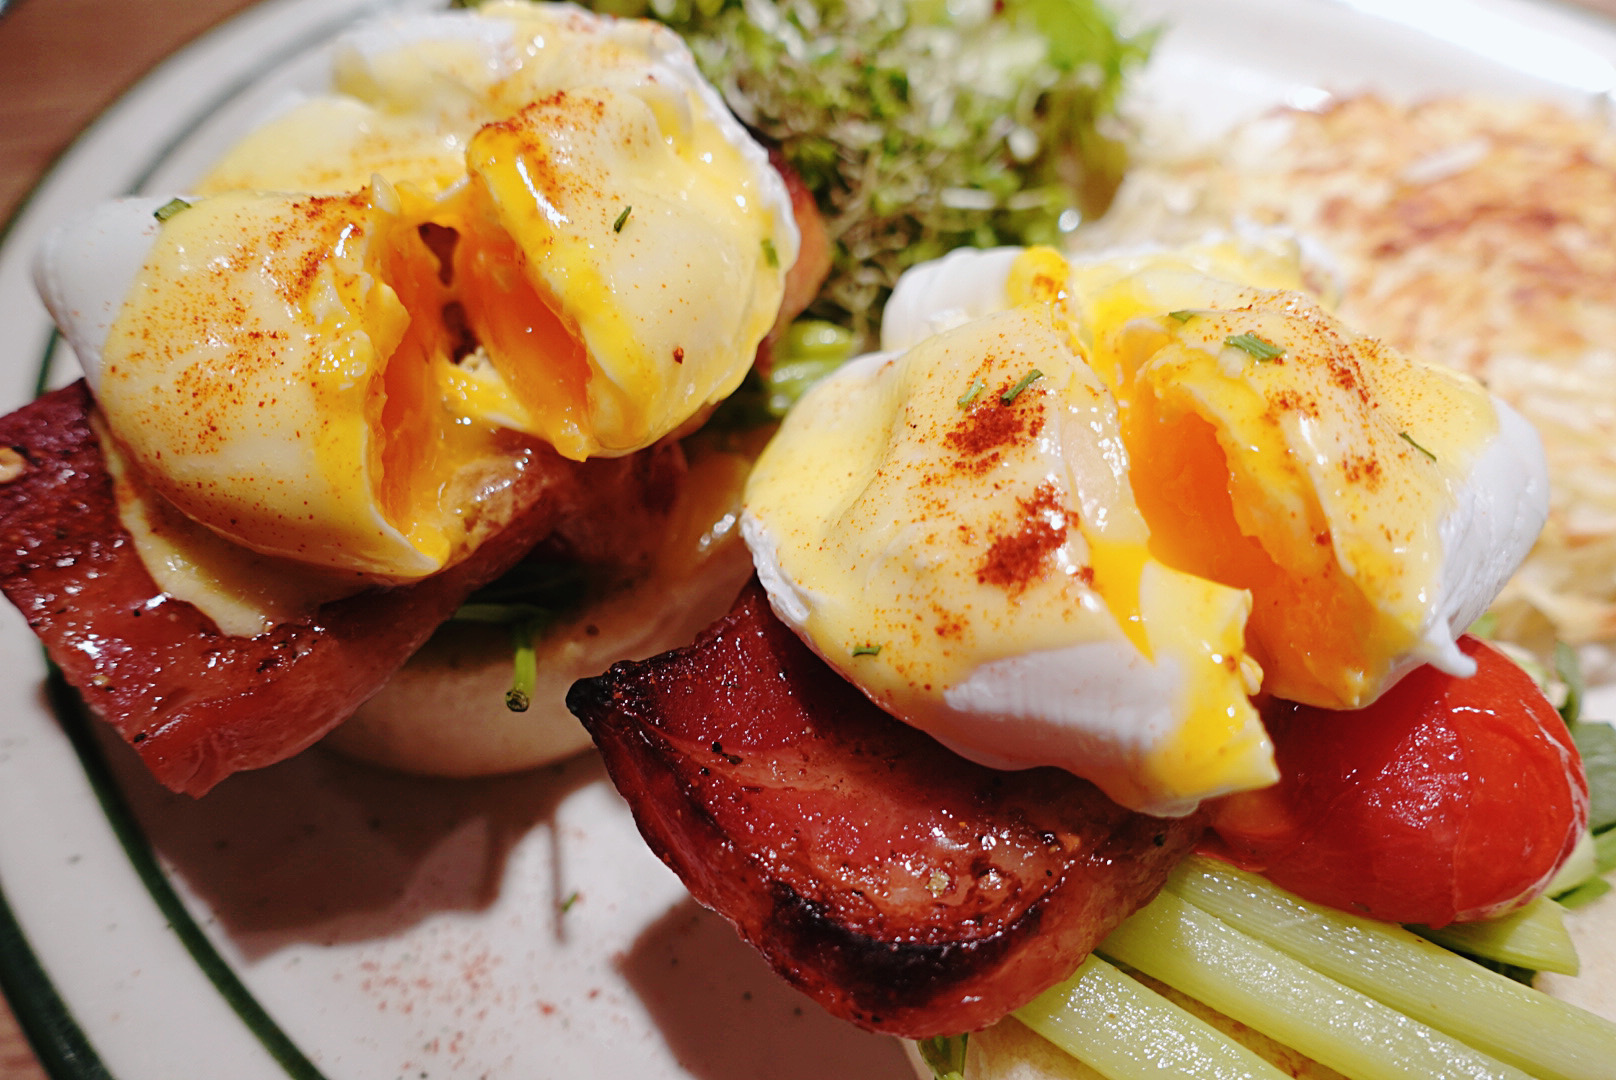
(1067,527)
(550,248)
(1085,529)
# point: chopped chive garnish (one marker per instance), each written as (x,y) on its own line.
(1184,315)
(972,394)
(866,650)
(566,905)
(1027,380)
(770,256)
(622,219)
(170,208)
(1260,348)
(1406,437)
(525,667)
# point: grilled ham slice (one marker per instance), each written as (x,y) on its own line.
(899,885)
(197,704)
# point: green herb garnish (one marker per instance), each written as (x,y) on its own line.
(1183,315)
(1406,437)
(1596,743)
(770,255)
(527,599)
(622,219)
(499,614)
(1010,395)
(810,350)
(566,905)
(1568,669)
(170,208)
(531,588)
(525,669)
(866,650)
(972,394)
(1261,349)
(944,1055)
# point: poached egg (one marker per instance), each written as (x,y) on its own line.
(545,224)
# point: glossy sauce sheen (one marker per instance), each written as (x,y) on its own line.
(196,704)
(901,886)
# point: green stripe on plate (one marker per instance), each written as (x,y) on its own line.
(76,722)
(57,1039)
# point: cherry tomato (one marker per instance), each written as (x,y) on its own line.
(1447,800)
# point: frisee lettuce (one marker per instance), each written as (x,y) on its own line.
(920,125)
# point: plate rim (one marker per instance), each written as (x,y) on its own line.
(58,1040)
(64,1048)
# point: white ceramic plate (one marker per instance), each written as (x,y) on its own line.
(319,919)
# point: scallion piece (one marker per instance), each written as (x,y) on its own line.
(500,613)
(622,219)
(1202,956)
(1127,1031)
(972,393)
(525,668)
(1513,1023)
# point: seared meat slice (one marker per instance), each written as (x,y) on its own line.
(901,886)
(196,704)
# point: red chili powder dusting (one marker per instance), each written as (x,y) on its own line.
(984,430)
(1015,561)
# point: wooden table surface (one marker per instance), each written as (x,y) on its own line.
(62,62)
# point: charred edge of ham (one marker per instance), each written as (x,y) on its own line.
(811,820)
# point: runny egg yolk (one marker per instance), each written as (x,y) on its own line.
(267,378)
(1274,450)
(642,265)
